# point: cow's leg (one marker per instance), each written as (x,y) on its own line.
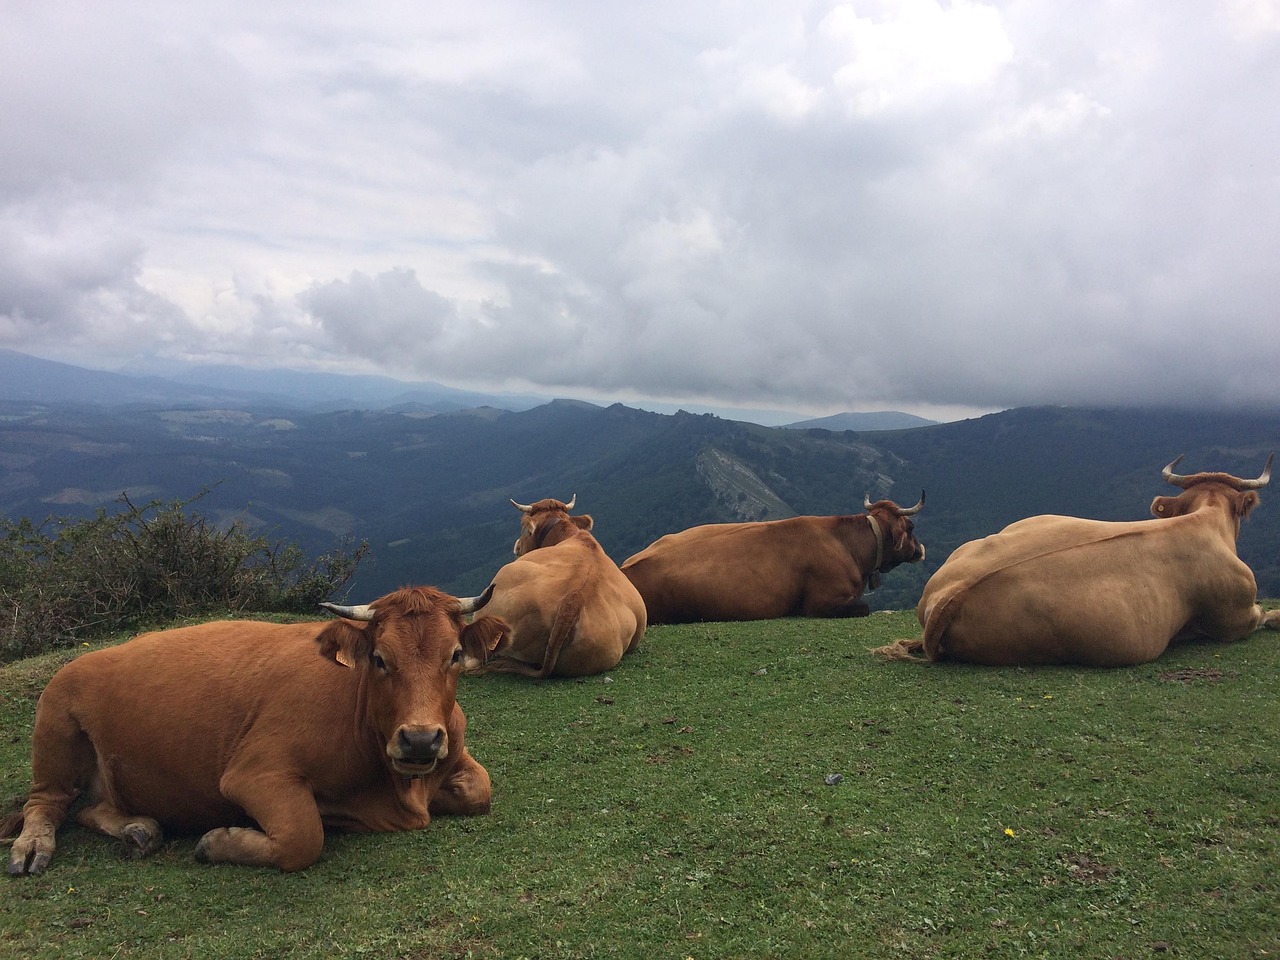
(291,835)
(62,767)
(1270,619)
(466,791)
(142,836)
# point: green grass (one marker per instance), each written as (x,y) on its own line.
(682,810)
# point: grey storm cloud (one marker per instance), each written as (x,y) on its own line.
(876,203)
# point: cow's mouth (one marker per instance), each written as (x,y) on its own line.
(414,768)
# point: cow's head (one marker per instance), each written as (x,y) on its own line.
(1200,490)
(546,522)
(409,648)
(894,531)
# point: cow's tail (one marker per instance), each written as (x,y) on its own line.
(937,619)
(562,627)
(905,649)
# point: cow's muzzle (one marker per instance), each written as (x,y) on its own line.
(415,750)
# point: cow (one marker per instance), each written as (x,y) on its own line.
(1062,590)
(570,610)
(261,734)
(763,570)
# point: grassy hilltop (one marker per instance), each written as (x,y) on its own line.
(759,790)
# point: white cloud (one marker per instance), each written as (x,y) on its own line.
(818,206)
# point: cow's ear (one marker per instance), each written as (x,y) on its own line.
(1245,502)
(1162,507)
(343,642)
(481,638)
(582,522)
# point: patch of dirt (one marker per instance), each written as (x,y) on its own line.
(1190,675)
(1084,868)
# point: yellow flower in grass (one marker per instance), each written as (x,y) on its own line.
(1008,832)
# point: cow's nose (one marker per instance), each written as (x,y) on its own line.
(422,744)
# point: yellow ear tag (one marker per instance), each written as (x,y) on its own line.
(343,659)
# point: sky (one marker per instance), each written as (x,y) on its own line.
(938,207)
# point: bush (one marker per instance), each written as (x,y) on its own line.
(66,580)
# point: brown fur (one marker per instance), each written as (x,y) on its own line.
(800,567)
(570,609)
(240,730)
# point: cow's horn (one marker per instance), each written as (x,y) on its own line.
(902,512)
(1262,480)
(523,507)
(359,612)
(1170,477)
(572,501)
(912,511)
(472,604)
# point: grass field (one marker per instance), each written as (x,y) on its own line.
(759,790)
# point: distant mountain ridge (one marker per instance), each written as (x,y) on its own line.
(27,378)
(23,377)
(864,422)
(430,492)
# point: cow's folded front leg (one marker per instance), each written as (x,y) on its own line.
(142,836)
(291,835)
(467,791)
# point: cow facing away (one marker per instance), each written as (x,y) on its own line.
(799,567)
(261,734)
(571,611)
(1106,594)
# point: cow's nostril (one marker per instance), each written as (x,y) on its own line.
(421,744)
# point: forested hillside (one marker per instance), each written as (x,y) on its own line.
(430,492)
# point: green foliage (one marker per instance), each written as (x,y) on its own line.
(65,581)
(683,809)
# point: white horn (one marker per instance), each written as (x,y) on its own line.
(359,612)
(1170,477)
(472,604)
(912,511)
(1262,481)
(523,507)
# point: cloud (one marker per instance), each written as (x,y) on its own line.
(843,205)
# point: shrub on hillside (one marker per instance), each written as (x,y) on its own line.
(66,580)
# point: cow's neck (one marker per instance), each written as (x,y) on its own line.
(543,532)
(879,535)
(873,577)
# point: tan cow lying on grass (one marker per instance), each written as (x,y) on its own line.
(261,734)
(1064,590)
(571,611)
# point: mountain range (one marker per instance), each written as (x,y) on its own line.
(429,490)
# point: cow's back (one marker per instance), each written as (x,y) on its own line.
(733,571)
(1063,590)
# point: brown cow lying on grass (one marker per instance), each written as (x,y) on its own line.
(571,611)
(1096,593)
(799,567)
(262,734)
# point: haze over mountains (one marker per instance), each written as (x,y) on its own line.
(425,474)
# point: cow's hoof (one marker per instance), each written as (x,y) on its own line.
(204,849)
(28,865)
(142,838)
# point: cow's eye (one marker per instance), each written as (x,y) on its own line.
(457,656)
(379,662)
